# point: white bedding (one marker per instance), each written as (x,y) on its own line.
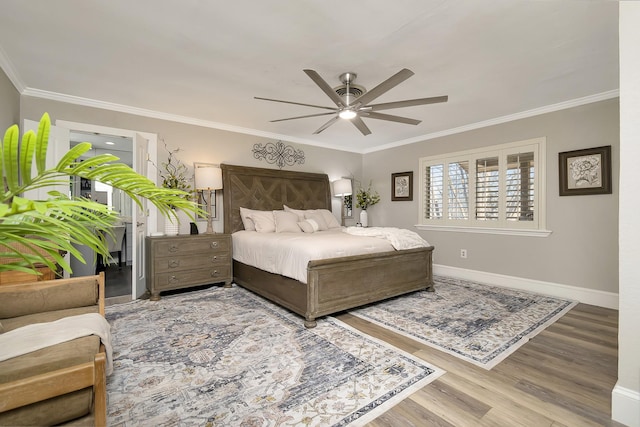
(289,253)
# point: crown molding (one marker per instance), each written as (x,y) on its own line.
(10,71)
(87,102)
(504,119)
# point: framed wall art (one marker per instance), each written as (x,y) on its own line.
(584,172)
(402,186)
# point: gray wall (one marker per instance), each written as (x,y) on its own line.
(197,144)
(9,103)
(582,251)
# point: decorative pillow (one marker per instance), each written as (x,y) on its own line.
(264,221)
(308,226)
(286,221)
(298,212)
(318,218)
(246,219)
(331,220)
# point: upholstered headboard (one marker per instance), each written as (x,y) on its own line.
(269,189)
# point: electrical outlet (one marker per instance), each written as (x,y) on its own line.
(463,253)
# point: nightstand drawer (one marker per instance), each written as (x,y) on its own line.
(182,279)
(196,246)
(177,263)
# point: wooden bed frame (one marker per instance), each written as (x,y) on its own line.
(333,285)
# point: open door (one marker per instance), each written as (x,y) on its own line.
(140,214)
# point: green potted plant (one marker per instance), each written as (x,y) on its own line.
(174,175)
(39,231)
(364,199)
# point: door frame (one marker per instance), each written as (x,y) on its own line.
(152,150)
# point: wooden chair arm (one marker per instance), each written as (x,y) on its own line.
(34,389)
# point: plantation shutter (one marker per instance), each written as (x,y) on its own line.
(520,182)
(434,185)
(487,189)
(458,186)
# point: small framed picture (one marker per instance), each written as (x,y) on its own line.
(402,186)
(584,172)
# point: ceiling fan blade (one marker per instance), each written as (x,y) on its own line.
(357,122)
(296,103)
(326,125)
(383,87)
(325,87)
(302,117)
(390,118)
(407,103)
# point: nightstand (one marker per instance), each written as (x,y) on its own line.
(176,262)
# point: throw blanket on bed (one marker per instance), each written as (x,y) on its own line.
(399,238)
(41,335)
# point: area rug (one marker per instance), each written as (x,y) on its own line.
(479,323)
(224,356)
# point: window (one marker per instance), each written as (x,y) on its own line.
(498,189)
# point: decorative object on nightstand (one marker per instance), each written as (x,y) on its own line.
(174,176)
(342,188)
(176,262)
(366,198)
(208,178)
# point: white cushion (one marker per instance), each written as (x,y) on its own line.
(264,221)
(308,226)
(298,212)
(331,220)
(246,219)
(286,221)
(318,218)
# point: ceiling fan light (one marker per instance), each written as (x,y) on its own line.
(347,114)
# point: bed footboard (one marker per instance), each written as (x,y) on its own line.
(338,284)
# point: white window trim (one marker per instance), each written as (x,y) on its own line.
(536,229)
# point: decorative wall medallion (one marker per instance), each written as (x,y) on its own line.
(278,153)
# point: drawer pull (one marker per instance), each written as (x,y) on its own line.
(173,248)
(173,280)
(214,258)
(214,245)
(174,263)
(214,273)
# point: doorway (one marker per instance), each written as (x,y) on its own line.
(118,268)
(141,149)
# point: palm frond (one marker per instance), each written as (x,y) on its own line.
(49,228)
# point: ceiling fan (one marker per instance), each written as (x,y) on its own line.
(353,101)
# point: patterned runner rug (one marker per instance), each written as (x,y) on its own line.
(224,356)
(479,323)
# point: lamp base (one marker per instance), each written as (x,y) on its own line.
(209,216)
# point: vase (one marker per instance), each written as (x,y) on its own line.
(364,218)
(171,225)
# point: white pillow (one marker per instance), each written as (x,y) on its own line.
(308,226)
(264,221)
(318,218)
(286,221)
(246,219)
(298,212)
(331,220)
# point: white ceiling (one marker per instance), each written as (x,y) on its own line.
(202,61)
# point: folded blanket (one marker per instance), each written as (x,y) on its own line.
(41,335)
(399,238)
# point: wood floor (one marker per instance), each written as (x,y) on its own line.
(562,377)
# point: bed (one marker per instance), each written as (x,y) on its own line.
(334,284)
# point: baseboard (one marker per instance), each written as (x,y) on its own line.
(583,295)
(625,406)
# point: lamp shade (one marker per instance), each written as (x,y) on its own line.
(208,178)
(342,187)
